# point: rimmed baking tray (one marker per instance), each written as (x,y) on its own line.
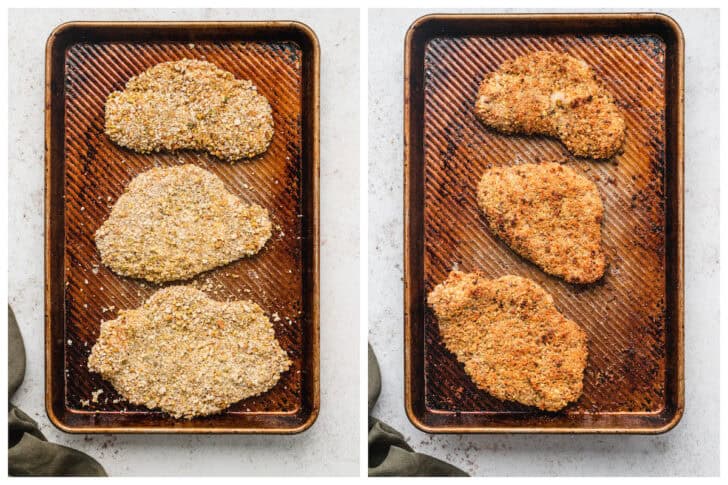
(634,315)
(86,173)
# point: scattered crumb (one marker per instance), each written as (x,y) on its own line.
(95,395)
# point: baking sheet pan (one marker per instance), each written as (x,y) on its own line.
(634,315)
(86,173)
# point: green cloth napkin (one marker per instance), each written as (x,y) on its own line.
(29,453)
(389,453)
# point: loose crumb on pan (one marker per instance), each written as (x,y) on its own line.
(553,94)
(174,223)
(189,355)
(511,339)
(190,104)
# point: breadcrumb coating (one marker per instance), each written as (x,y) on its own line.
(552,94)
(188,355)
(174,223)
(548,214)
(511,339)
(190,105)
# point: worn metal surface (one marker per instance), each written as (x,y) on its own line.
(86,173)
(633,315)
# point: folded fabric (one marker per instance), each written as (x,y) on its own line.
(16,355)
(375,380)
(29,453)
(389,453)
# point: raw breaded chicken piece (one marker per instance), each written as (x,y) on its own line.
(189,355)
(548,214)
(173,223)
(190,105)
(552,94)
(511,339)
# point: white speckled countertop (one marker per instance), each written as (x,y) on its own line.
(692,447)
(331,446)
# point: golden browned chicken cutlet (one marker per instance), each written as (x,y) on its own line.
(511,339)
(190,105)
(173,223)
(548,214)
(189,355)
(552,94)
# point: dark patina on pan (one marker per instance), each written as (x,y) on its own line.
(86,173)
(634,315)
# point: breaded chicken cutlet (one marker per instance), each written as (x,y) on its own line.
(190,105)
(548,214)
(174,223)
(189,355)
(552,94)
(511,339)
